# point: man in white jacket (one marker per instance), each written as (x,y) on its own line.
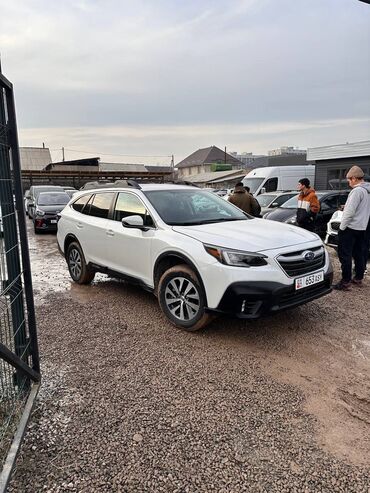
(351,235)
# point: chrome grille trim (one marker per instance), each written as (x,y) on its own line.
(294,264)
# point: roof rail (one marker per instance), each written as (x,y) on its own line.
(182,182)
(133,184)
(116,184)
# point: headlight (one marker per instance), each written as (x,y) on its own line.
(236,257)
(291,220)
(40,213)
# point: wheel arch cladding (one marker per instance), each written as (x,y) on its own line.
(170,259)
(69,239)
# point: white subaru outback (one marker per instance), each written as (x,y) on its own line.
(200,255)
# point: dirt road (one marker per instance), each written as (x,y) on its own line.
(130,404)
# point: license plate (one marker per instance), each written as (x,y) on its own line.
(53,221)
(306,281)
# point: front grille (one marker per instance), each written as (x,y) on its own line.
(335,226)
(295,264)
(297,297)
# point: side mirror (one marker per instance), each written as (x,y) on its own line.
(274,204)
(135,222)
(263,190)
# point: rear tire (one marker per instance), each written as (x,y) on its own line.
(80,272)
(182,298)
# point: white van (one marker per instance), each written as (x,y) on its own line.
(282,178)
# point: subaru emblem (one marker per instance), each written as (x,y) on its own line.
(308,255)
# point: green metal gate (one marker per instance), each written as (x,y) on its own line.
(19,359)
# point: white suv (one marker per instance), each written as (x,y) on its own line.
(200,255)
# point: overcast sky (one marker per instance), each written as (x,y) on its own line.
(161,77)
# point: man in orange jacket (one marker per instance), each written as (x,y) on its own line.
(308,205)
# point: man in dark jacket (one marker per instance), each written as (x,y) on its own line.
(245,200)
(308,205)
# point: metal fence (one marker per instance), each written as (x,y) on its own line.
(19,361)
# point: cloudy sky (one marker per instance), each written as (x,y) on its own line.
(125,80)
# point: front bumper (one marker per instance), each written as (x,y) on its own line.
(253,300)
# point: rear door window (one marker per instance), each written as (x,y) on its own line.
(80,203)
(100,205)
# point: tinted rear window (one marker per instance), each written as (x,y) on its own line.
(80,203)
(100,205)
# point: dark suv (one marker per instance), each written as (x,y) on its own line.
(330,201)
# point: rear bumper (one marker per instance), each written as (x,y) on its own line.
(45,224)
(255,299)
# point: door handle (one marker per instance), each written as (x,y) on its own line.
(109,232)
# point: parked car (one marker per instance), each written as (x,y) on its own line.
(67,187)
(269,201)
(26,201)
(331,237)
(199,261)
(30,200)
(330,201)
(71,191)
(48,206)
(333,226)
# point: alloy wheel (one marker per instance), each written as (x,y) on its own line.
(182,298)
(75,263)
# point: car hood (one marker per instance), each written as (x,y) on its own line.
(51,209)
(253,235)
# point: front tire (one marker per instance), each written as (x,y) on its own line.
(78,269)
(182,298)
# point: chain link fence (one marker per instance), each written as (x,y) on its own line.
(19,362)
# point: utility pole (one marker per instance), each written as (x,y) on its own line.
(63,153)
(173,166)
(225,155)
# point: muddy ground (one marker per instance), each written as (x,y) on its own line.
(130,404)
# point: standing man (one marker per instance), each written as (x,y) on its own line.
(244,200)
(352,231)
(308,205)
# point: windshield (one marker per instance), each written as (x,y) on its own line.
(293,202)
(53,199)
(265,200)
(252,183)
(190,207)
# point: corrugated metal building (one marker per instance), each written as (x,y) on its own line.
(34,158)
(333,162)
(134,168)
(86,164)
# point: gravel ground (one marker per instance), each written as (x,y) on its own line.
(130,404)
